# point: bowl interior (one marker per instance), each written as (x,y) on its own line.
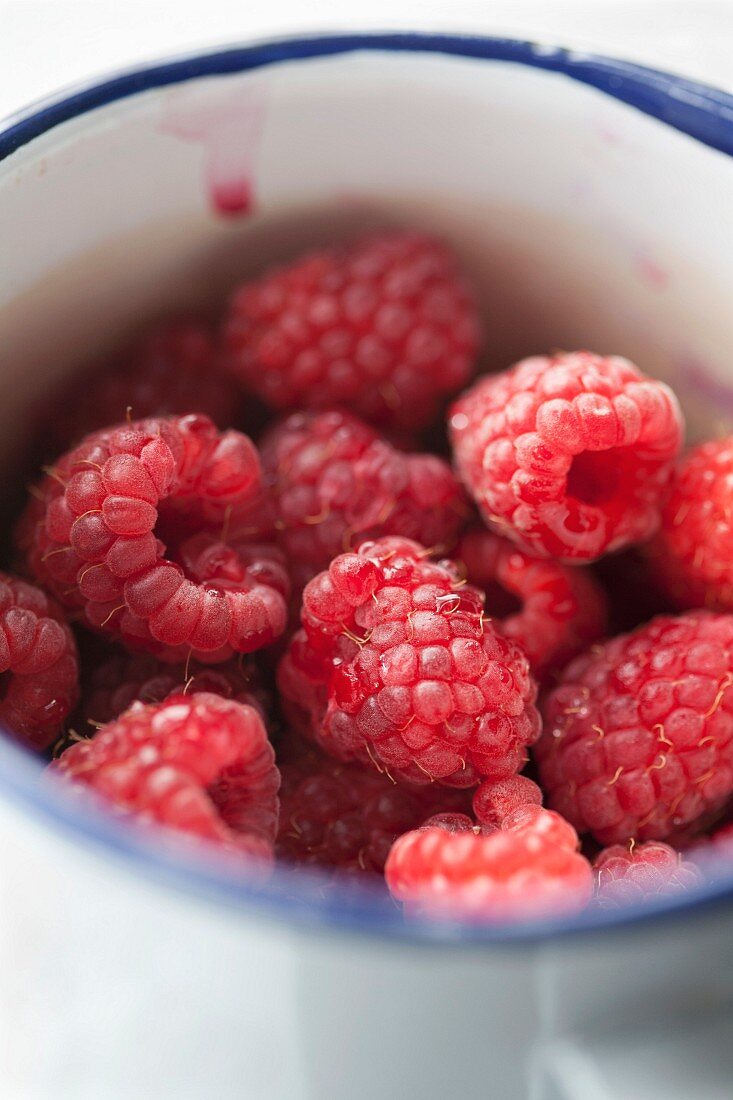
(583,221)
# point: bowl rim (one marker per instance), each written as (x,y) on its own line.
(700,111)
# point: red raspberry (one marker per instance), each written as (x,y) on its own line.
(195,763)
(494,802)
(692,556)
(634,873)
(638,739)
(561,608)
(169,368)
(347,816)
(122,679)
(396,663)
(97,532)
(568,456)
(334,483)
(38,664)
(386,328)
(529,867)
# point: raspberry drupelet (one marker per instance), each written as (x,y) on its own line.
(635,873)
(493,802)
(126,529)
(396,664)
(529,867)
(638,737)
(569,456)
(386,327)
(692,555)
(346,817)
(39,665)
(334,482)
(562,609)
(198,764)
(121,679)
(170,368)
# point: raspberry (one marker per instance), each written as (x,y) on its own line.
(122,679)
(169,368)
(346,816)
(635,873)
(334,483)
(97,532)
(199,764)
(568,456)
(638,739)
(529,867)
(386,328)
(494,802)
(39,665)
(692,556)
(397,664)
(561,609)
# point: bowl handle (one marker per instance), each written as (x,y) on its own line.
(690,1057)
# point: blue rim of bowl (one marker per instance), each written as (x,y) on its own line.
(700,111)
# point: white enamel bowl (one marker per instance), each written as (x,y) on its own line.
(591,202)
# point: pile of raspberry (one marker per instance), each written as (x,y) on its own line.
(247,607)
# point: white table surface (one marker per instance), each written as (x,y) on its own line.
(46,44)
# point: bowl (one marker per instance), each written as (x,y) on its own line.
(590,201)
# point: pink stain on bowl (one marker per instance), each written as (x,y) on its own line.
(651,272)
(232,199)
(227,123)
(698,377)
(581,190)
(608,135)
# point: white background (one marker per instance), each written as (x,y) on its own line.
(46,44)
